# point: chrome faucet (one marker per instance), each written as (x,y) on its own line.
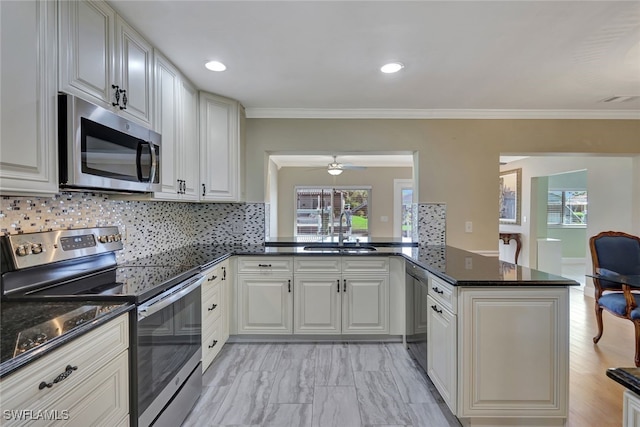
(340,236)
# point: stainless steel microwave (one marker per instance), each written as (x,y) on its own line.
(99,150)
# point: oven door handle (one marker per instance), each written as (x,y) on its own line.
(165,300)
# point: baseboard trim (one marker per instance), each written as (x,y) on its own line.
(574,260)
(258,338)
(487,253)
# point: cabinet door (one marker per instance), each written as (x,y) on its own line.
(365,304)
(219,148)
(441,351)
(28,97)
(265,304)
(134,62)
(189,142)
(167,90)
(86,50)
(317,304)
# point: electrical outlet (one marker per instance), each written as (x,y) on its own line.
(468,227)
(468,263)
(384,218)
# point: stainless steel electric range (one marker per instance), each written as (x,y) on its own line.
(166,332)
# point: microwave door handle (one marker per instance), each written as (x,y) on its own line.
(146,310)
(154,162)
(139,161)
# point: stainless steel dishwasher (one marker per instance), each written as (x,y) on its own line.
(417,286)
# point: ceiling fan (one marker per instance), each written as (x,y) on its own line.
(335,168)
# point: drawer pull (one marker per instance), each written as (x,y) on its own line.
(213,344)
(437,291)
(68,371)
(264,265)
(289,285)
(213,307)
(212,278)
(338,280)
(434,308)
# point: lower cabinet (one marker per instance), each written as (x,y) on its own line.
(95,387)
(441,351)
(630,409)
(215,312)
(313,295)
(341,295)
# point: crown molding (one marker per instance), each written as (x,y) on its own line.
(373,113)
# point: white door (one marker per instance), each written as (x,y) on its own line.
(317,304)
(365,306)
(265,305)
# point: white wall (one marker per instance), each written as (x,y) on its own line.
(611,197)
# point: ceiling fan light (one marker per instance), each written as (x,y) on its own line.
(334,171)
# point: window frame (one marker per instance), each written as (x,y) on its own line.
(367,188)
(562,224)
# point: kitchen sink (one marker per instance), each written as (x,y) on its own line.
(336,248)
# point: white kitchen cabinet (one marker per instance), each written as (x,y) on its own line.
(500,331)
(215,312)
(630,409)
(28,91)
(176,110)
(341,295)
(220,149)
(318,304)
(104,60)
(265,295)
(441,351)
(95,390)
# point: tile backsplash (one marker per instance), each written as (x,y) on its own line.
(150,227)
(147,227)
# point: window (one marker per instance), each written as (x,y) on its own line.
(567,207)
(318,211)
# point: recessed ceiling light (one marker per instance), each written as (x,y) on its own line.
(392,67)
(215,66)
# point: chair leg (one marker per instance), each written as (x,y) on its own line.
(637,327)
(599,322)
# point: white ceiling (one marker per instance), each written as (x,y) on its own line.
(475,58)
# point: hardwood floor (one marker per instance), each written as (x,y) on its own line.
(323,385)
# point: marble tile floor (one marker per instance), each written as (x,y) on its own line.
(318,385)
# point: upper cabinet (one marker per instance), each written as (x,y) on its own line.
(220,149)
(28,164)
(104,60)
(176,121)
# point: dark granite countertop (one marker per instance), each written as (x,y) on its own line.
(628,377)
(29,330)
(456,266)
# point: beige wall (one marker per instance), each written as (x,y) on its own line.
(379,179)
(458,159)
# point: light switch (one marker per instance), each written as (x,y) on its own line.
(468,227)
(384,218)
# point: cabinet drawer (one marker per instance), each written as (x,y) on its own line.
(322,264)
(88,353)
(211,343)
(273,264)
(213,276)
(443,293)
(211,307)
(365,264)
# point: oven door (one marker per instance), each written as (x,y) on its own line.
(168,347)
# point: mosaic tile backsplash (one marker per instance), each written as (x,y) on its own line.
(431,224)
(147,227)
(151,227)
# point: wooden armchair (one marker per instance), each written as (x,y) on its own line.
(616,253)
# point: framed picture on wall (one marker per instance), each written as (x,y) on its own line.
(510,194)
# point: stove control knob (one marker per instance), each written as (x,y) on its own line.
(23,250)
(36,248)
(102,239)
(117,237)
(110,238)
